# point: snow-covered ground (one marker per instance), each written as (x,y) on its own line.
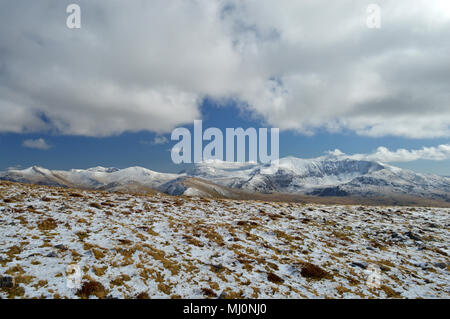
(157,246)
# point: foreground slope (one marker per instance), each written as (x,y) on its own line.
(168,247)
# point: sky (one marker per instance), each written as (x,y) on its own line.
(111,92)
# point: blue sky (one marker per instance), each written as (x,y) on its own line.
(138,149)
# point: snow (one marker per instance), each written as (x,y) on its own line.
(175,246)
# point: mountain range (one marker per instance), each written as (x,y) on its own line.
(336,176)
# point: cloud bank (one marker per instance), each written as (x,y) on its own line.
(301,65)
(383,154)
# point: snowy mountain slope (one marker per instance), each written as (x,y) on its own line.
(330,175)
(392,180)
(193,186)
(92,178)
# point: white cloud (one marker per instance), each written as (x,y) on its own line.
(158,140)
(14,167)
(383,154)
(39,144)
(301,65)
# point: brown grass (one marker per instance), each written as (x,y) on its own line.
(92,288)
(120,280)
(142,295)
(75,195)
(95,205)
(82,235)
(209,293)
(274,278)
(314,272)
(390,293)
(164,288)
(48,224)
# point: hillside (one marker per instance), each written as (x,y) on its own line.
(158,246)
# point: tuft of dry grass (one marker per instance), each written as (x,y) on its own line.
(48,224)
(274,278)
(315,272)
(95,205)
(98,253)
(99,271)
(209,293)
(142,295)
(120,280)
(78,195)
(14,292)
(164,288)
(390,293)
(92,288)
(82,235)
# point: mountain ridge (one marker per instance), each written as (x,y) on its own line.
(326,176)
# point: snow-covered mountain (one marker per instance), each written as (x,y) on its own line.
(330,175)
(92,178)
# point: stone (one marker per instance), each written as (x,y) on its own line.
(440,265)
(362,264)
(223,295)
(217,267)
(52,255)
(412,236)
(6,282)
(424,266)
(89,253)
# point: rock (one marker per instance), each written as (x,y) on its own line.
(412,236)
(440,265)
(222,295)
(362,264)
(397,237)
(6,282)
(394,235)
(383,268)
(424,266)
(217,267)
(52,255)
(60,247)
